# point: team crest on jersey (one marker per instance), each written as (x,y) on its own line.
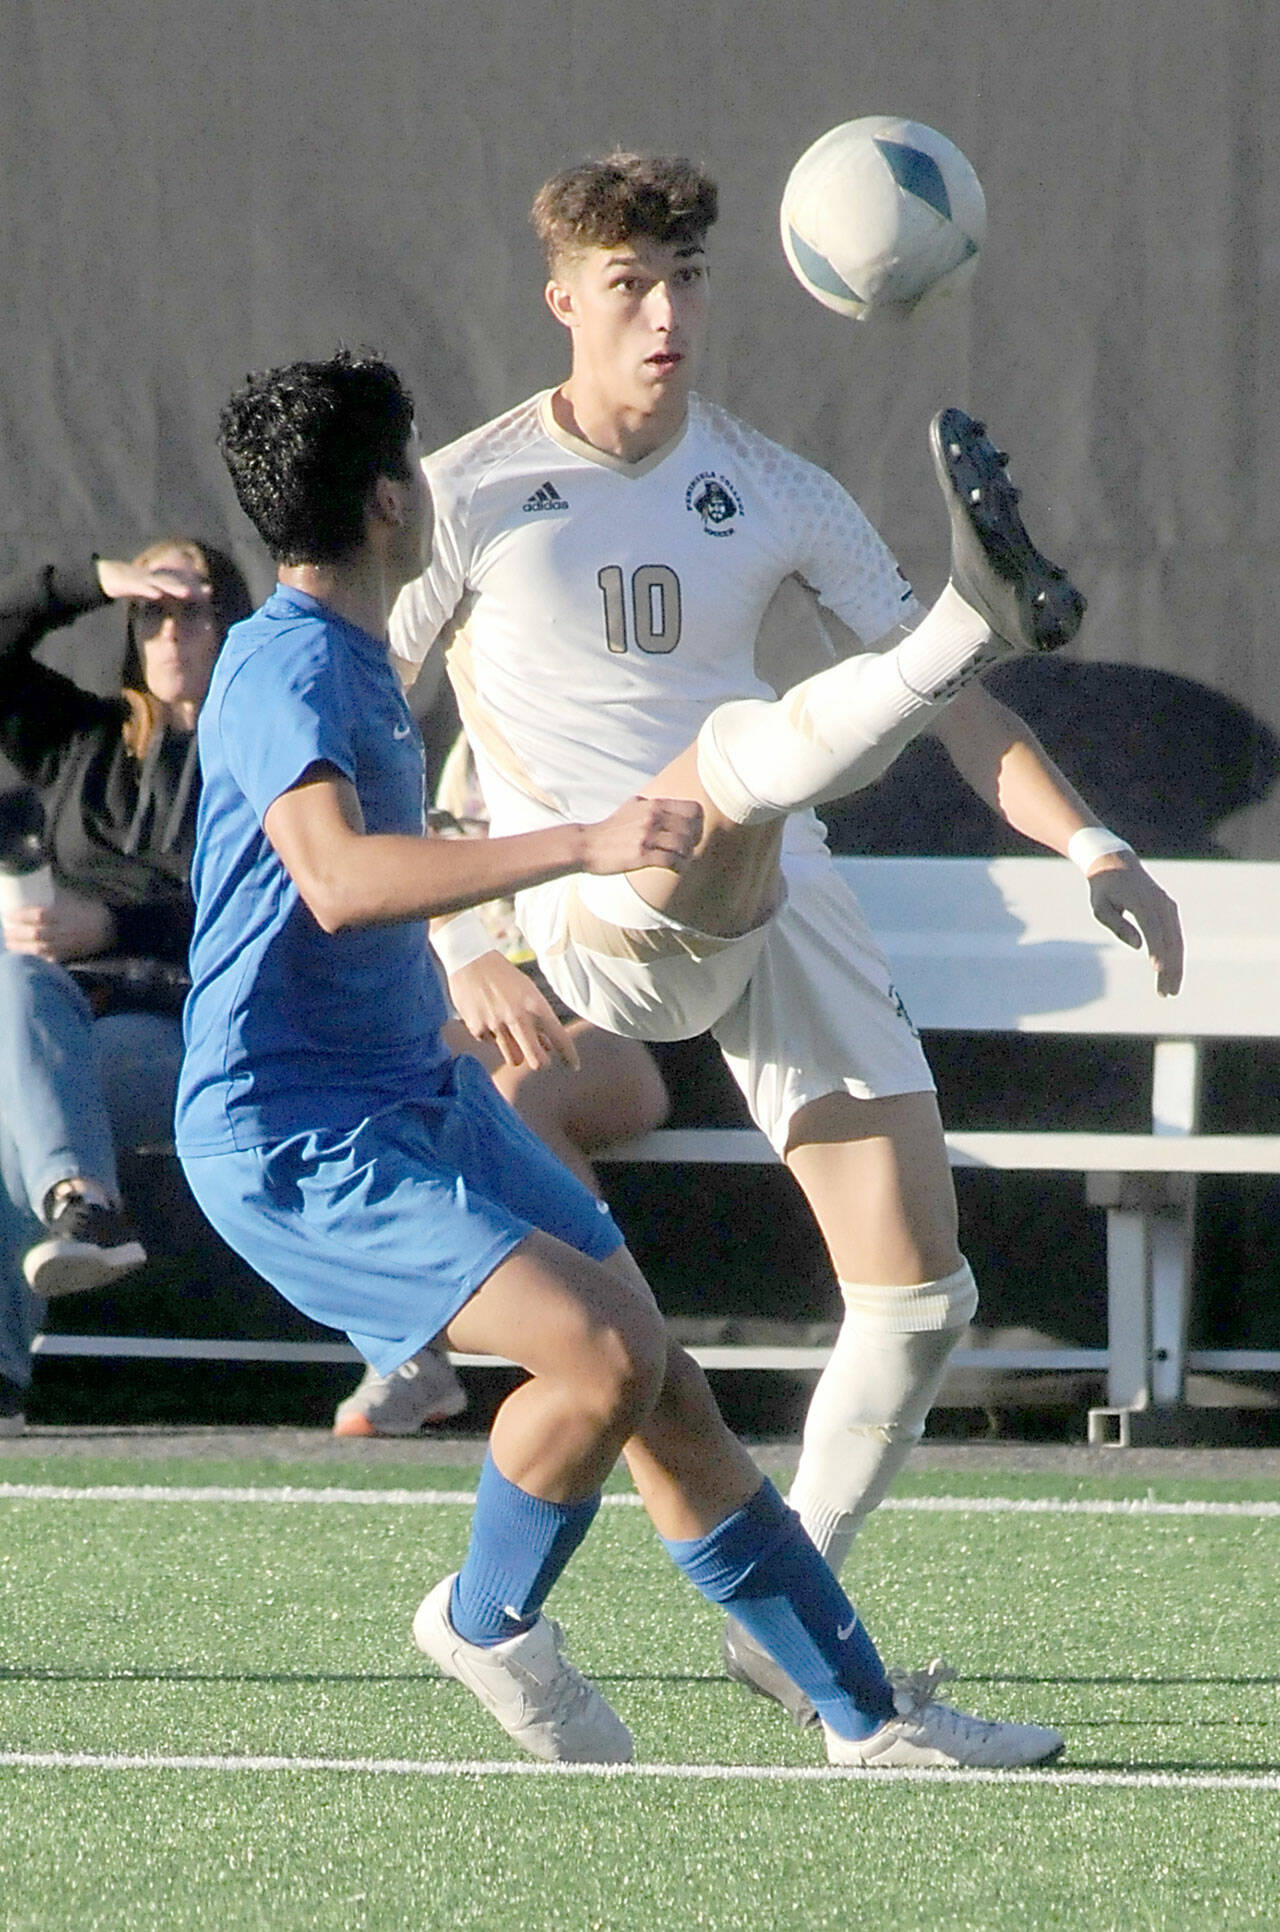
(716,501)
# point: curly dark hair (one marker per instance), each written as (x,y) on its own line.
(598,204)
(305,445)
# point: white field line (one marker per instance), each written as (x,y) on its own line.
(685,1773)
(434,1498)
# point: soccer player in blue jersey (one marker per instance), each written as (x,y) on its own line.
(383,1185)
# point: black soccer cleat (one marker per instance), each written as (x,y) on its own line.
(747,1664)
(1028,602)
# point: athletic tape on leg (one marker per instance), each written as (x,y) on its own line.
(816,743)
(841,729)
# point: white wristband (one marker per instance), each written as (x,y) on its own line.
(459,940)
(1093,842)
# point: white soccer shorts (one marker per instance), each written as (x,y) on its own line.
(801,1006)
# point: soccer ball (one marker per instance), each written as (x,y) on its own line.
(879,212)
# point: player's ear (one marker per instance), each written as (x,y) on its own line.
(559,299)
(387,501)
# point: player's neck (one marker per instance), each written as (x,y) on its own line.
(357,590)
(629,431)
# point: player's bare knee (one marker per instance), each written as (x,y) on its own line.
(536,1093)
(685,1397)
(627,1368)
(625,1096)
(648,1104)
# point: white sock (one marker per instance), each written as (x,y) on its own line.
(837,731)
(872,1398)
(947,648)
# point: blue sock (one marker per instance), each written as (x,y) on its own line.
(761,1565)
(519,1545)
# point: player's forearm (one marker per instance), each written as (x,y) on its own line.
(349,877)
(1033,796)
(381,879)
(1001,758)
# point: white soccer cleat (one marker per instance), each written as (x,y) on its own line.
(926,1733)
(530,1686)
(421,1391)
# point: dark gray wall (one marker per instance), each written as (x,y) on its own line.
(191,190)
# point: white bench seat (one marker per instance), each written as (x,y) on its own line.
(1011,946)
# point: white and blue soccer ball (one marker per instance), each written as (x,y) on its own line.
(878,213)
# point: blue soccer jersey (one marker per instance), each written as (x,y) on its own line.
(289,1028)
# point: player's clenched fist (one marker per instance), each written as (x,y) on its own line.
(645,831)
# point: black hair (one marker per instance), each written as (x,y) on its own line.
(305,445)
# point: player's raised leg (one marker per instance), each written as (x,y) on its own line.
(757,760)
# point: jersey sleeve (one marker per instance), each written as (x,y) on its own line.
(277,718)
(844,560)
(425,606)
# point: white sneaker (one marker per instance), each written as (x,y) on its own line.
(925,1732)
(87,1246)
(528,1683)
(422,1390)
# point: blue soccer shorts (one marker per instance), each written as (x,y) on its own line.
(387,1228)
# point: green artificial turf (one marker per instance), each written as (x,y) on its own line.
(234,1630)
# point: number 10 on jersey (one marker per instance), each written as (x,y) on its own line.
(647,611)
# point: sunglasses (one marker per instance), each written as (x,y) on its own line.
(187,613)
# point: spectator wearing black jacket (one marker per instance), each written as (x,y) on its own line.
(92,969)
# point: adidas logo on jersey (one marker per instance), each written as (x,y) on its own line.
(545,497)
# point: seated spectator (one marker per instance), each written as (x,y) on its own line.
(615,1093)
(93,969)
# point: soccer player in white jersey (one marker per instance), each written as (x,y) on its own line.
(605,555)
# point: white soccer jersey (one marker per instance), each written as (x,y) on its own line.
(596,611)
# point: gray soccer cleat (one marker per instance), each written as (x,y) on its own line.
(536,1694)
(1027,601)
(925,1733)
(748,1664)
(422,1390)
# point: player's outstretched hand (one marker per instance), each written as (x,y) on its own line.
(645,831)
(496,1001)
(1130,904)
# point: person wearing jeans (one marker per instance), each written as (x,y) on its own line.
(94,926)
(72,1090)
